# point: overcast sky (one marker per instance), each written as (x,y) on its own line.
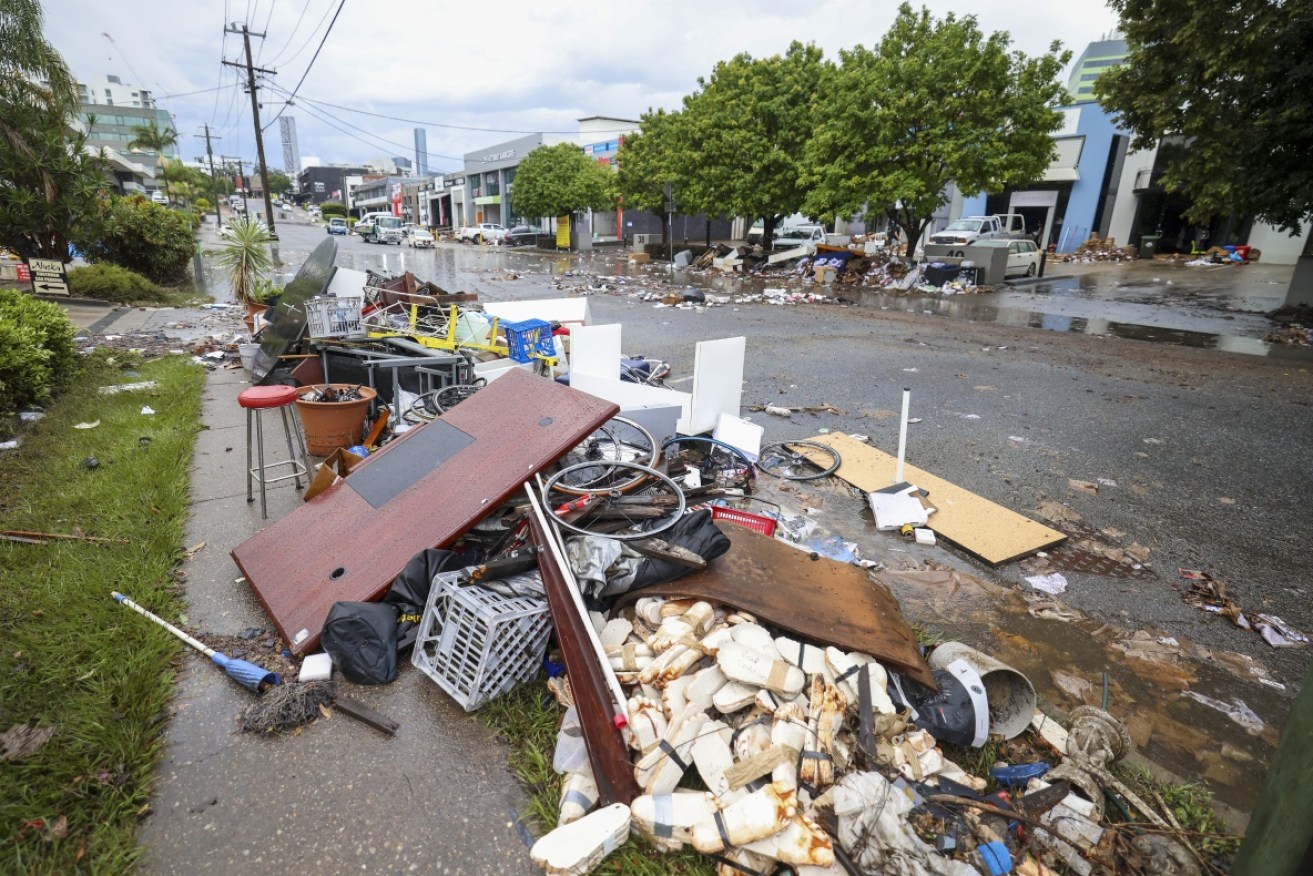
(508,65)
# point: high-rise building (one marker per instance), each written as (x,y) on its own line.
(110,113)
(1097,57)
(421,152)
(291,152)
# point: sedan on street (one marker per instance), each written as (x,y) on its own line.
(1023,256)
(521,235)
(420,238)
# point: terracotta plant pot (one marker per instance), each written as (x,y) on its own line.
(253,310)
(331,425)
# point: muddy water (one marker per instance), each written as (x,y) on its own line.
(1182,735)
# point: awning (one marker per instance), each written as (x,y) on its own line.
(1061,174)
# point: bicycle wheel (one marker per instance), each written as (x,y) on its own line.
(610,513)
(716,461)
(619,439)
(449,396)
(799,460)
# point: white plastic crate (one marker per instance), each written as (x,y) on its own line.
(477,644)
(334,317)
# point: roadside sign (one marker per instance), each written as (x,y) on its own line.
(48,277)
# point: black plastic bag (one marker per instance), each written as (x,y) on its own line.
(361,637)
(410,591)
(694,532)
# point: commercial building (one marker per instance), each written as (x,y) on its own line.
(326,182)
(291,151)
(1097,57)
(109,113)
(421,152)
(379,193)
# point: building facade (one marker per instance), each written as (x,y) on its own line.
(109,113)
(326,182)
(1097,57)
(291,151)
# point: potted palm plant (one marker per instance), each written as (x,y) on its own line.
(245,254)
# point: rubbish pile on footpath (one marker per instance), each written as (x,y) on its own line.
(516,498)
(1100,249)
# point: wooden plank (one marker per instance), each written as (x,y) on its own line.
(338,546)
(978,526)
(758,765)
(828,602)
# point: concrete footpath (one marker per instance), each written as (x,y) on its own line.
(436,798)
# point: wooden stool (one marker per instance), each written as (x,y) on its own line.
(257,400)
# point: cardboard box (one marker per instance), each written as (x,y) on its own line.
(825,275)
(639,257)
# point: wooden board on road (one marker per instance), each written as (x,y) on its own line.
(989,531)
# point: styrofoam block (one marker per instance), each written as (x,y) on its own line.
(750,666)
(578,847)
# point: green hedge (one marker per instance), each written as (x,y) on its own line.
(37,353)
(112,283)
(133,233)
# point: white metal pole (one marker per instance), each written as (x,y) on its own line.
(902,436)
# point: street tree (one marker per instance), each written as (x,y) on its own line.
(936,101)
(645,165)
(150,138)
(560,179)
(48,177)
(743,135)
(279,182)
(1233,80)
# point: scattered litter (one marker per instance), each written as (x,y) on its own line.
(1236,710)
(93,424)
(147,411)
(1084,486)
(127,387)
(21,741)
(1055,583)
(289,707)
(31,416)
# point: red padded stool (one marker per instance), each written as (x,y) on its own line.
(257,400)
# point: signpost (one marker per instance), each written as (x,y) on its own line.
(48,277)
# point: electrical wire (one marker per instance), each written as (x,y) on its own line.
(305,7)
(454,127)
(314,58)
(190,93)
(223,44)
(310,39)
(265,30)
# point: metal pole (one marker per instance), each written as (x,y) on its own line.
(214,182)
(902,436)
(259,136)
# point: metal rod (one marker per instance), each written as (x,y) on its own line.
(558,554)
(902,436)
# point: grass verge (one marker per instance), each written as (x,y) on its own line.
(528,717)
(70,658)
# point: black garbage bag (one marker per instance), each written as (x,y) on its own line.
(361,637)
(410,591)
(694,532)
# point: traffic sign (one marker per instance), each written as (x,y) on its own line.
(48,276)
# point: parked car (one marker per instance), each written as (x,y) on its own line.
(970,229)
(801,235)
(420,238)
(337,225)
(484,232)
(159,197)
(1023,256)
(521,235)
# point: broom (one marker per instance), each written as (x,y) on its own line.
(248,675)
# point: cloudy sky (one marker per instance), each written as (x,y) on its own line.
(508,65)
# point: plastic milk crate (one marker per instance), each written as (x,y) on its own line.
(477,644)
(334,317)
(528,337)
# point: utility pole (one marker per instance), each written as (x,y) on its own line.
(259,136)
(214,181)
(228,162)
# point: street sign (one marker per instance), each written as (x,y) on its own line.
(48,277)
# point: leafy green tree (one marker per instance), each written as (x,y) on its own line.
(742,136)
(1232,79)
(279,183)
(48,178)
(560,179)
(149,138)
(645,165)
(935,102)
(134,233)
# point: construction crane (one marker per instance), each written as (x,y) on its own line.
(124,58)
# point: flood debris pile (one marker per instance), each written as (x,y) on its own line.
(1099,249)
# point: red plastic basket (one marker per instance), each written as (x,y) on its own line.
(755,522)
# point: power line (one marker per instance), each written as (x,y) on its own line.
(314,58)
(454,127)
(305,7)
(190,93)
(265,29)
(310,39)
(223,44)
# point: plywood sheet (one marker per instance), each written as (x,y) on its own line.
(989,531)
(717,383)
(822,600)
(339,546)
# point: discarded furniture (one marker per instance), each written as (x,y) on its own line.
(423,490)
(256,400)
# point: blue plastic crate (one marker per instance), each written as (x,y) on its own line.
(529,337)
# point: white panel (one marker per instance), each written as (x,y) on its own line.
(738,432)
(569,312)
(717,382)
(1278,247)
(347,282)
(595,351)
(634,395)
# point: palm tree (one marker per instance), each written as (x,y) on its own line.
(244,255)
(149,138)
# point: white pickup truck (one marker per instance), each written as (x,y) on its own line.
(969,229)
(484,232)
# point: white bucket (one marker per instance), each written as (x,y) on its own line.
(248,352)
(1010,694)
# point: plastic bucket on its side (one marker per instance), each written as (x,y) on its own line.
(1010,694)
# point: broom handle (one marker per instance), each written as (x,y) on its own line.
(195,643)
